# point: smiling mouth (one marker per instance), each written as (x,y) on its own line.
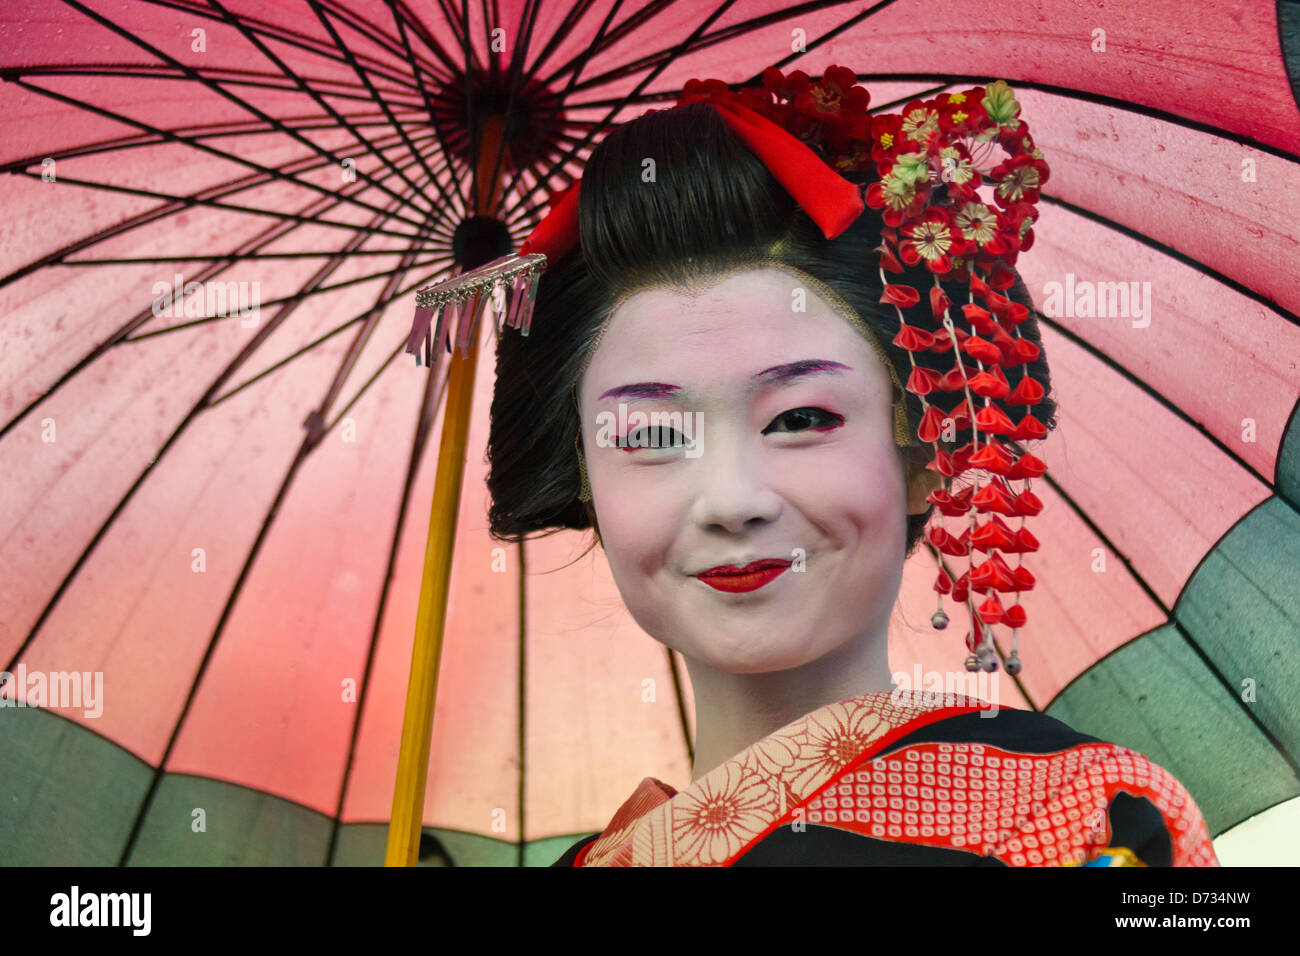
(749,578)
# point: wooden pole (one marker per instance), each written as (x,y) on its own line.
(422,687)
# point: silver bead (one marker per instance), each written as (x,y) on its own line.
(1013,664)
(972,663)
(939,620)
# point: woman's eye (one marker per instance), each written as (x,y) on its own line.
(660,436)
(804,419)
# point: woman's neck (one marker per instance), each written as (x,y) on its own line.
(734,711)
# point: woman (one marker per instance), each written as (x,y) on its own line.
(759,525)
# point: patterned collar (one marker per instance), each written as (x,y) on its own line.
(719,816)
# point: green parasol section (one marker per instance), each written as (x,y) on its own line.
(51,818)
(1227,665)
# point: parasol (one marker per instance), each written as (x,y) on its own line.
(219,484)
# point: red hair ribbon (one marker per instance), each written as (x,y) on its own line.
(828,198)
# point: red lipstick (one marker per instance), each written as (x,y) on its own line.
(751,577)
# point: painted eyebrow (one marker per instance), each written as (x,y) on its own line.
(776,375)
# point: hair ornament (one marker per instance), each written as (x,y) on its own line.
(454,303)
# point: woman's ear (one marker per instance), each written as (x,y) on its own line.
(922,483)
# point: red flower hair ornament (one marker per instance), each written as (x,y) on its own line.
(932,159)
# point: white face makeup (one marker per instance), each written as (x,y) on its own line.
(795,461)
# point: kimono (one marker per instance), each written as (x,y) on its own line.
(896,778)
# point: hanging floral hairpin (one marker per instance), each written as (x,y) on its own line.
(933,159)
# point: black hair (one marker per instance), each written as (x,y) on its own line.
(711,205)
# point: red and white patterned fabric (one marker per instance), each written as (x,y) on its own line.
(836,768)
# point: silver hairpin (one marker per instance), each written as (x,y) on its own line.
(453,301)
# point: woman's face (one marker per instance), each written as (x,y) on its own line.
(782,448)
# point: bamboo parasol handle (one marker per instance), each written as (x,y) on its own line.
(421,690)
